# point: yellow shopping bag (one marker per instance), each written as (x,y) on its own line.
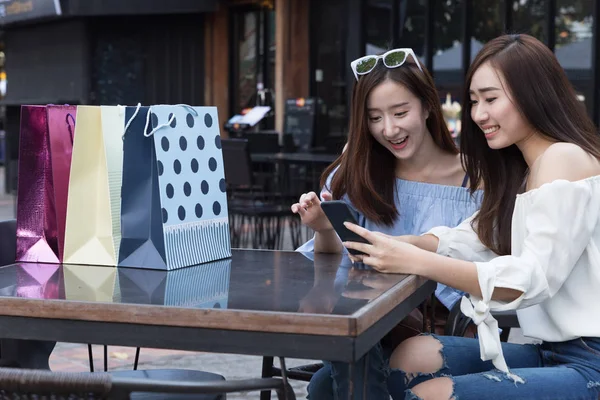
(93,228)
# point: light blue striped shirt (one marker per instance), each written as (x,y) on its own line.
(422,206)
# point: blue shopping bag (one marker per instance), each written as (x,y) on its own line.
(173,200)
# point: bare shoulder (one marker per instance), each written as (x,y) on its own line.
(564,161)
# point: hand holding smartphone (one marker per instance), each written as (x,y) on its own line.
(339,212)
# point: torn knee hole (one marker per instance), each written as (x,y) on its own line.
(442,387)
(592,385)
(421,353)
(499,376)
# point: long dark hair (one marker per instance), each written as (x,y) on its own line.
(540,90)
(367,170)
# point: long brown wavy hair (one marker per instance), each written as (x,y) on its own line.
(540,90)
(367,170)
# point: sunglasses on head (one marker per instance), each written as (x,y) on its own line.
(391,59)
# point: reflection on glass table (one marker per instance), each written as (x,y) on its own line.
(200,286)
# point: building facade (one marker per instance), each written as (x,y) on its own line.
(229,53)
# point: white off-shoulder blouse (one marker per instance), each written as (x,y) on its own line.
(555,262)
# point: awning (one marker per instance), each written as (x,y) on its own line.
(23,11)
(12,11)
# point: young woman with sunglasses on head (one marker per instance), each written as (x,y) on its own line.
(534,246)
(400,174)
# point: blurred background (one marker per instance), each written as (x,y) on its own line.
(237,54)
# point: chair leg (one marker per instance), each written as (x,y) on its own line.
(432,313)
(424,314)
(137,359)
(280,232)
(91,358)
(248,225)
(257,235)
(288,392)
(504,335)
(275,229)
(105,358)
(267,372)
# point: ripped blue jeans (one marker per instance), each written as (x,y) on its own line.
(332,382)
(566,371)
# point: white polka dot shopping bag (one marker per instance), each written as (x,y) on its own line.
(174,201)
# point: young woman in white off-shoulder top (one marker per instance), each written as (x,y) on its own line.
(534,246)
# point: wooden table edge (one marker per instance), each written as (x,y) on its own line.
(144,314)
(373,312)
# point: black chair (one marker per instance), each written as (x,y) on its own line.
(263,141)
(258,214)
(28,353)
(289,145)
(8,241)
(458,323)
(24,383)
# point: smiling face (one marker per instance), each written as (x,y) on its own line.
(493,110)
(397,119)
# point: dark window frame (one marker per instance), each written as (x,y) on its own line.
(262,17)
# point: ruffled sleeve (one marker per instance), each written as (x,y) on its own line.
(552,226)
(461,242)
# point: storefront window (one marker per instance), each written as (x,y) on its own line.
(573,50)
(253,63)
(488,22)
(412,25)
(447,59)
(378,22)
(328,52)
(529,16)
(247,59)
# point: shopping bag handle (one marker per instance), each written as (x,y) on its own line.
(69,125)
(153,131)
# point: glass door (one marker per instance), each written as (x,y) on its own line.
(253,60)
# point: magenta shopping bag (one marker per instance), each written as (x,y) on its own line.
(39,281)
(46,144)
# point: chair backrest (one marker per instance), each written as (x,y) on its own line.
(236,160)
(8,241)
(263,142)
(289,145)
(25,383)
(43,384)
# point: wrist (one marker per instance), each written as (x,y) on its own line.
(427,242)
(327,241)
(417,261)
(325,231)
(413,239)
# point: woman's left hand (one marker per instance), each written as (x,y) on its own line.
(384,253)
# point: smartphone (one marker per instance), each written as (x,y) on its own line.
(339,212)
